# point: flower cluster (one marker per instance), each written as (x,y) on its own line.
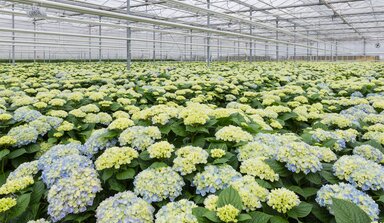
(214,178)
(195,114)
(7,203)
(124,207)
(251,193)
(228,213)
(97,142)
(258,168)
(161,150)
(233,134)
(115,157)
(282,200)
(369,152)
(360,172)
(168,184)
(65,171)
(179,211)
(139,137)
(350,193)
(187,158)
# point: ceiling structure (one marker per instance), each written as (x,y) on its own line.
(298,25)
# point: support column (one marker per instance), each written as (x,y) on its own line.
(294,46)
(365,47)
(161,46)
(13,36)
(250,33)
(208,56)
(287,56)
(89,43)
(154,44)
(128,33)
(307,46)
(34,41)
(100,39)
(336,50)
(190,45)
(277,38)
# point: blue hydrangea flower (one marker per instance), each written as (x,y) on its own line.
(23,135)
(26,114)
(124,207)
(350,193)
(58,152)
(214,178)
(157,184)
(96,142)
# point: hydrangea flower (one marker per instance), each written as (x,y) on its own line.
(187,158)
(369,152)
(161,150)
(115,157)
(14,185)
(210,202)
(195,114)
(23,170)
(72,194)
(7,141)
(96,142)
(41,127)
(233,134)
(26,114)
(360,172)
(282,200)
(124,207)
(217,153)
(180,211)
(64,167)
(300,157)
(157,184)
(214,178)
(139,137)
(120,124)
(23,135)
(251,193)
(258,168)
(350,193)
(57,152)
(227,213)
(7,203)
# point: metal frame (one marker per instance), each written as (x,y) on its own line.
(288,25)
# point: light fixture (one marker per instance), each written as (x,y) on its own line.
(36,13)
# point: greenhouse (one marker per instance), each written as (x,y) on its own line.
(190,111)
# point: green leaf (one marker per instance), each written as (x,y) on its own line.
(258,217)
(278,167)
(21,206)
(37,192)
(3,153)
(287,116)
(199,212)
(348,212)
(314,178)
(158,164)
(244,217)
(329,177)
(178,129)
(107,173)
(278,219)
(211,215)
(381,199)
(16,153)
(300,211)
(126,174)
(230,196)
(115,185)
(145,155)
(264,183)
(320,213)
